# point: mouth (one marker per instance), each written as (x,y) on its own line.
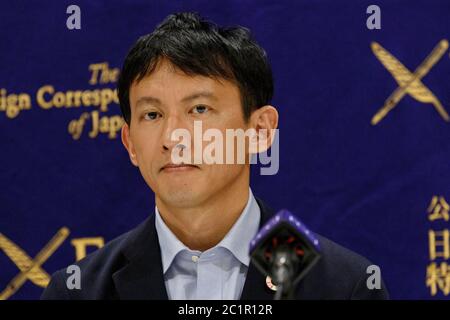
(170,167)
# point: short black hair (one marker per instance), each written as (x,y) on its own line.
(200,47)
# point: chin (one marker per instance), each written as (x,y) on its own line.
(181,196)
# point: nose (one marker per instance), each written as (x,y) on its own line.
(172,122)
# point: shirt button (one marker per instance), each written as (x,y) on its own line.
(194,258)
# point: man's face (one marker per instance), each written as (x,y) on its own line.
(166,100)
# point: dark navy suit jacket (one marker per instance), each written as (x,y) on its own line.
(130,267)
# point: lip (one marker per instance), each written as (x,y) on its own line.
(178,167)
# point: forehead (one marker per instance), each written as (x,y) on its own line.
(170,84)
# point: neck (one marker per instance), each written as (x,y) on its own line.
(204,226)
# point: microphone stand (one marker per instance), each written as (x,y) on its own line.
(284,268)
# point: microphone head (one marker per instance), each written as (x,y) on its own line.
(284,231)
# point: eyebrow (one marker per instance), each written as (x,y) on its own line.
(200,94)
(147,100)
(155,101)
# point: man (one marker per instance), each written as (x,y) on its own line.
(195,245)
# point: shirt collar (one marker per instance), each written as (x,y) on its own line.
(237,240)
(168,242)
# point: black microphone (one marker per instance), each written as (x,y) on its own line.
(284,250)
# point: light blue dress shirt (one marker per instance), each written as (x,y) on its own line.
(217,273)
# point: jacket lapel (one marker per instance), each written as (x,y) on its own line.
(142,277)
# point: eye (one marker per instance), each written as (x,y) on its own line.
(153,115)
(200,109)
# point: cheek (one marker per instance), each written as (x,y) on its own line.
(224,174)
(146,153)
(147,167)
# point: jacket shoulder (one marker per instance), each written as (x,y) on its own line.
(96,271)
(340,274)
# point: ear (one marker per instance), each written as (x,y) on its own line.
(264,120)
(128,144)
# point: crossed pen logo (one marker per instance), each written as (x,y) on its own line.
(409,83)
(30,269)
